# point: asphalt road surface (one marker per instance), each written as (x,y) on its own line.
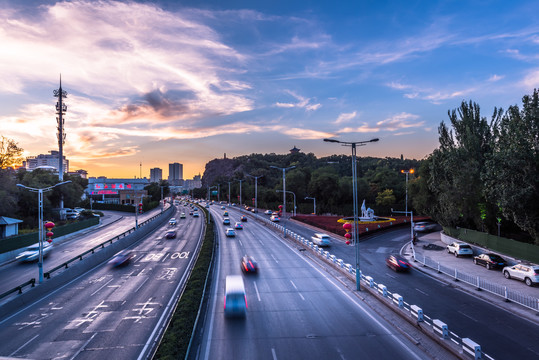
(502,334)
(295,311)
(108,313)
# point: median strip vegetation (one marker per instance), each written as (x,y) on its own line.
(175,341)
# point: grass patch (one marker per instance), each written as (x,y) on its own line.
(178,334)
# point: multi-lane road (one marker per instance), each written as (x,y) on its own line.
(295,310)
(108,313)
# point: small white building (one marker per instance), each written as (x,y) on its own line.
(8,227)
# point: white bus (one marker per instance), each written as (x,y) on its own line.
(235,298)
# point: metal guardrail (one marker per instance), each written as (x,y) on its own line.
(79,257)
(481,284)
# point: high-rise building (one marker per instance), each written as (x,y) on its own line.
(46,160)
(156,175)
(175,174)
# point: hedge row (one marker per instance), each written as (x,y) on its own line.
(178,334)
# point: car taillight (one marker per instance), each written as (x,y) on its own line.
(245,267)
(245,297)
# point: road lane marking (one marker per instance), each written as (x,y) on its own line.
(95,292)
(165,257)
(274,258)
(142,284)
(422,292)
(23,345)
(295,287)
(240,243)
(273,354)
(83,346)
(468,316)
(257,293)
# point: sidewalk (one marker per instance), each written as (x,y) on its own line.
(438,253)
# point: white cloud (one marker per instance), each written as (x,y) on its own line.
(345,117)
(301,103)
(393,123)
(531,80)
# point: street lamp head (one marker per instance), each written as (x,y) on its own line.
(331,140)
(374,140)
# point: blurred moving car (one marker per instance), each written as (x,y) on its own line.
(122,258)
(171,234)
(424,226)
(182,216)
(222,207)
(275,218)
(230,232)
(248,264)
(235,298)
(225,213)
(268,212)
(195,214)
(238,226)
(490,261)
(243,218)
(226,221)
(172,221)
(321,239)
(527,273)
(398,263)
(459,249)
(32,252)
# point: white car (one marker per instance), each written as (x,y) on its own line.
(321,239)
(195,214)
(32,252)
(424,226)
(230,232)
(275,218)
(268,212)
(459,249)
(527,273)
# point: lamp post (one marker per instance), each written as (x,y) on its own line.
(242,180)
(411,171)
(314,203)
(229,192)
(40,220)
(355,227)
(256,189)
(290,192)
(284,193)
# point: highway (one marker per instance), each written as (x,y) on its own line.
(502,334)
(15,273)
(295,311)
(108,313)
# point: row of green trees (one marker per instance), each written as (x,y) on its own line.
(485,174)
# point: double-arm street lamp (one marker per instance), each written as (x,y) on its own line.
(355,226)
(256,189)
(40,220)
(284,193)
(314,203)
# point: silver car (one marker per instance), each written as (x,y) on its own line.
(527,273)
(459,249)
(32,252)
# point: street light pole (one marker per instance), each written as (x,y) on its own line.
(256,189)
(229,202)
(411,171)
(314,203)
(355,227)
(290,192)
(240,190)
(40,220)
(284,193)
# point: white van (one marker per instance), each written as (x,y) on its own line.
(321,239)
(235,298)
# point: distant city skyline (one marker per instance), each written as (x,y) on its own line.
(193,80)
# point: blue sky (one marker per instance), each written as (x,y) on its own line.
(187,81)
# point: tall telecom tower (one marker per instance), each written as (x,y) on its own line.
(61,109)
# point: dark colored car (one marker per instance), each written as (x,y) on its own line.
(122,258)
(248,264)
(490,261)
(398,263)
(243,218)
(170,234)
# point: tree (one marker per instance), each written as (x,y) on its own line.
(10,153)
(512,171)
(456,166)
(385,198)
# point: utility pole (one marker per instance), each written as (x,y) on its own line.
(61,109)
